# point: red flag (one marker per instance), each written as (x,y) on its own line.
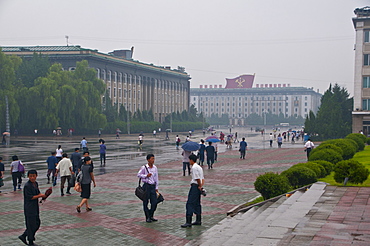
(243,81)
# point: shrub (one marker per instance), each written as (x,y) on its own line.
(327,165)
(358,135)
(358,139)
(271,185)
(300,176)
(368,141)
(353,170)
(349,150)
(327,146)
(325,155)
(317,168)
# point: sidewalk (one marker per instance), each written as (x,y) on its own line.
(117,217)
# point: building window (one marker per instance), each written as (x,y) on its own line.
(366,104)
(305,98)
(367,36)
(366,59)
(366,82)
(305,104)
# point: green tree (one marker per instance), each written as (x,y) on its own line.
(30,70)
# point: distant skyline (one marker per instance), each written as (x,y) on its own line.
(301,43)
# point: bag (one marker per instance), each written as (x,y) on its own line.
(140,192)
(72,181)
(79,176)
(178,140)
(1,182)
(77,187)
(20,167)
(160,198)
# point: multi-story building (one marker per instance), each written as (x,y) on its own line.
(361,96)
(133,84)
(239,103)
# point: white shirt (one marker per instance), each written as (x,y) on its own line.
(59,152)
(152,179)
(309,144)
(196,173)
(63,167)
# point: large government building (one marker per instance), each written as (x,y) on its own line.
(361,97)
(136,85)
(241,100)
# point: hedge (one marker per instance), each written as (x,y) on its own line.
(325,155)
(300,176)
(349,150)
(271,185)
(317,168)
(327,165)
(327,146)
(353,170)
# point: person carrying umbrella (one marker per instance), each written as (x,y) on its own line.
(188,147)
(210,150)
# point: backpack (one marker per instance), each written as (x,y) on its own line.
(20,167)
(178,140)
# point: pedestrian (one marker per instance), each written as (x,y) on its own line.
(178,140)
(102,152)
(201,152)
(65,169)
(2,170)
(190,133)
(118,131)
(187,139)
(31,194)
(149,175)
(154,133)
(236,140)
(75,159)
(59,153)
(185,161)
(17,174)
(52,162)
(84,144)
(216,151)
(308,146)
(82,161)
(99,133)
(85,182)
(279,141)
(271,139)
(140,142)
(210,150)
(242,148)
(193,205)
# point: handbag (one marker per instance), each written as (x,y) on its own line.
(160,198)
(140,192)
(78,187)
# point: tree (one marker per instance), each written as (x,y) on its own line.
(333,120)
(30,70)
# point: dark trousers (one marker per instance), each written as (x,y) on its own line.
(308,150)
(52,172)
(193,204)
(215,155)
(242,154)
(210,160)
(62,182)
(16,176)
(32,225)
(102,157)
(270,143)
(201,158)
(184,165)
(151,196)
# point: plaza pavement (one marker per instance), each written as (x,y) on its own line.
(117,217)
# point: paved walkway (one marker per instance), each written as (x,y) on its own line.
(117,217)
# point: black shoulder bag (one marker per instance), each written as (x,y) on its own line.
(139,191)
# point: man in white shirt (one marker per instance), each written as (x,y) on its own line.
(308,146)
(65,169)
(196,186)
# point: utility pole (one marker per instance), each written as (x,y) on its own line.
(7,138)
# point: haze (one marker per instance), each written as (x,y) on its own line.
(301,43)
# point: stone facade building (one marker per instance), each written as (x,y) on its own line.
(361,97)
(133,84)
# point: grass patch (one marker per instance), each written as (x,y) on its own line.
(362,157)
(257,200)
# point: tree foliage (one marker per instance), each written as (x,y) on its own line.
(334,119)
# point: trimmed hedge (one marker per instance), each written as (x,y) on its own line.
(353,170)
(317,168)
(327,146)
(349,150)
(325,155)
(358,135)
(300,176)
(368,141)
(271,185)
(327,165)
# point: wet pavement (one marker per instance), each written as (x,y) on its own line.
(117,217)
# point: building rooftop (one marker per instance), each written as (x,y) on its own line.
(255,90)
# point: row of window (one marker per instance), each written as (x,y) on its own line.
(246,104)
(246,98)
(251,110)
(246,115)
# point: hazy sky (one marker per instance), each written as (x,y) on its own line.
(302,43)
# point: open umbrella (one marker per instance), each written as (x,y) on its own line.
(47,193)
(212,139)
(190,146)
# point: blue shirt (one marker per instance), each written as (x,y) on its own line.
(243,145)
(102,149)
(51,161)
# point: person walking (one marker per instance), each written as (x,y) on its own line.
(201,152)
(308,146)
(193,205)
(52,162)
(210,150)
(242,148)
(279,141)
(82,161)
(84,144)
(271,139)
(185,161)
(149,175)
(87,177)
(65,169)
(2,170)
(102,152)
(31,194)
(59,153)
(16,172)
(75,159)
(177,141)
